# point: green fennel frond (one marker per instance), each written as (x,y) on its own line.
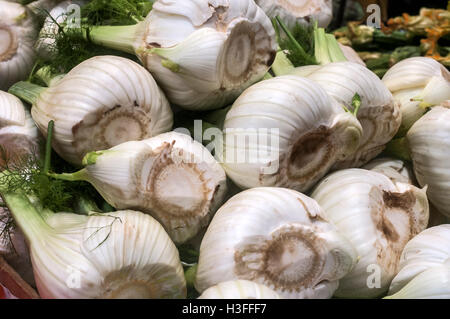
(69,46)
(299,44)
(115,12)
(98,229)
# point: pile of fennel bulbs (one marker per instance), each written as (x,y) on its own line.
(322,212)
(18,34)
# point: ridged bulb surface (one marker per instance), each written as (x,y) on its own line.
(239,289)
(18,33)
(215,49)
(429,249)
(19,140)
(378,217)
(120,255)
(286,132)
(276,237)
(170,176)
(19,136)
(397,170)
(102,102)
(417,83)
(433,283)
(46,44)
(428,141)
(299,11)
(379,114)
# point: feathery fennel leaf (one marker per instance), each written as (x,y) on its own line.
(70,46)
(299,44)
(115,12)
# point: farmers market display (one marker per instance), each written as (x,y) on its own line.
(222,149)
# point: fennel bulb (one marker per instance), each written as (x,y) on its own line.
(276,237)
(203,53)
(351,55)
(19,141)
(118,255)
(417,83)
(378,216)
(45,44)
(239,289)
(428,250)
(104,101)
(378,113)
(19,136)
(433,283)
(314,132)
(428,143)
(170,176)
(397,170)
(299,11)
(18,34)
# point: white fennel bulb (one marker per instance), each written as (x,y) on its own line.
(19,136)
(45,45)
(397,170)
(203,53)
(429,249)
(170,176)
(286,132)
(120,255)
(239,289)
(19,140)
(40,8)
(417,83)
(299,11)
(18,33)
(102,102)
(433,283)
(428,141)
(351,55)
(276,237)
(379,114)
(378,216)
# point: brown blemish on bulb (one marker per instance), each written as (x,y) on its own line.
(219,15)
(311,215)
(378,121)
(259,52)
(240,33)
(92,136)
(304,151)
(152,281)
(13,46)
(153,45)
(305,207)
(166,210)
(16,149)
(393,238)
(404,201)
(288,261)
(388,229)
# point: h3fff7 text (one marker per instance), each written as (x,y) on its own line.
(250,308)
